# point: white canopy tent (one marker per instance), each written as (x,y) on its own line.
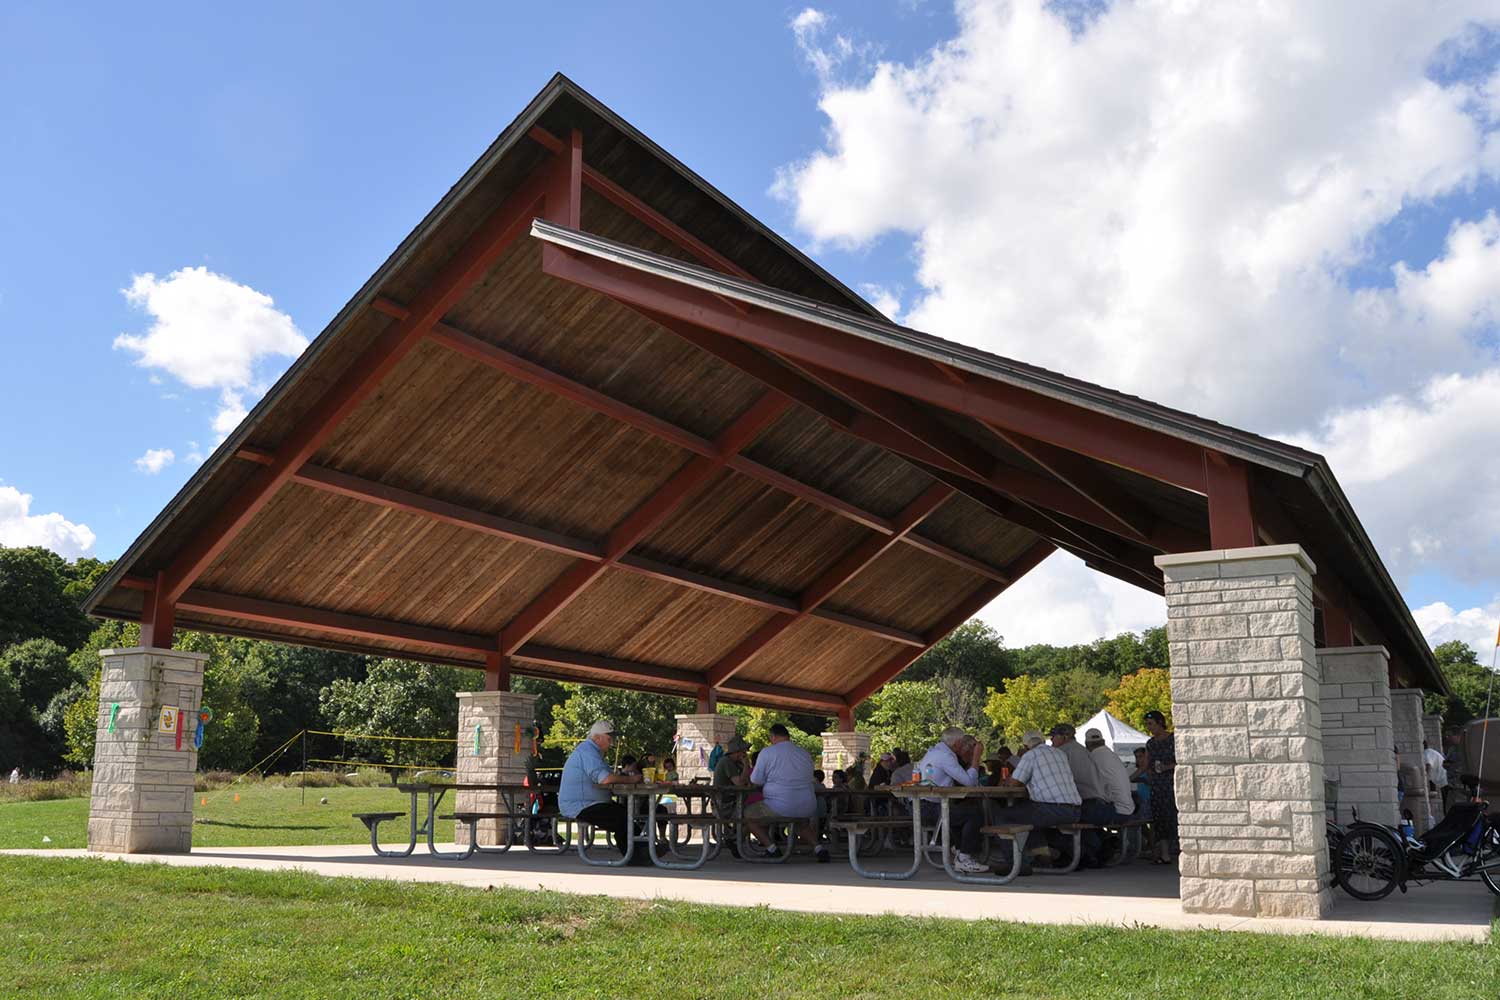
(1121,737)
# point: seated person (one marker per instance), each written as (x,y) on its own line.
(954,760)
(1048,779)
(840,779)
(856,773)
(784,771)
(669,770)
(901,774)
(1094,809)
(1142,785)
(1114,779)
(881,774)
(820,778)
(731,771)
(583,793)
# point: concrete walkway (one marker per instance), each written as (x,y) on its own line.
(1130,896)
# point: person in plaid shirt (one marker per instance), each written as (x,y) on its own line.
(1048,779)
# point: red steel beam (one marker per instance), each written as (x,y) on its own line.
(960,463)
(1072,487)
(1097,435)
(1231,515)
(656,509)
(560,385)
(619,672)
(686,681)
(828,582)
(158,616)
(965,610)
(469,263)
(357,488)
(645,213)
(336,622)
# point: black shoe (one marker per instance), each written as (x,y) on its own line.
(640,859)
(822,854)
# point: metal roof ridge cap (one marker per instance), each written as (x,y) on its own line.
(1273,454)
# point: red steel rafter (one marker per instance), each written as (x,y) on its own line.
(380,494)
(1231,516)
(687,481)
(560,385)
(477,254)
(1100,436)
(829,581)
(967,609)
(468,648)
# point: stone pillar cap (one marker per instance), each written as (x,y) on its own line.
(1292,551)
(154,651)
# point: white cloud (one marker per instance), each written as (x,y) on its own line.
(1169,200)
(1476,626)
(884,299)
(1181,199)
(1423,472)
(18,527)
(1062,602)
(155,460)
(209,332)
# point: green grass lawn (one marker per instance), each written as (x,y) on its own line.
(93,928)
(265,815)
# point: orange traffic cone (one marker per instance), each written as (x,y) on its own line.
(236,796)
(203,801)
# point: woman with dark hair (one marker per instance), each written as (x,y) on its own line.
(1161,763)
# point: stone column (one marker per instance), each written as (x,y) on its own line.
(1406,725)
(840,750)
(487,722)
(1355,700)
(1249,738)
(697,735)
(142,799)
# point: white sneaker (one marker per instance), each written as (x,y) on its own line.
(963,863)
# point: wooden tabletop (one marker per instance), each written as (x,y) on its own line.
(955,791)
(503,786)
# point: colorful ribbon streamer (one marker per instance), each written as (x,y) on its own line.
(114,710)
(478,738)
(518,739)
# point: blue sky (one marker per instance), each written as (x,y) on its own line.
(289,148)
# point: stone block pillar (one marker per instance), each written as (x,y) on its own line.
(1357,737)
(840,750)
(1249,733)
(142,799)
(697,735)
(1406,725)
(487,751)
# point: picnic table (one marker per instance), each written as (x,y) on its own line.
(650,793)
(436,790)
(941,843)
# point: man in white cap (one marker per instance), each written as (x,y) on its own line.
(581,794)
(1114,779)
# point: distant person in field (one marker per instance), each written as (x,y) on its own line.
(583,792)
(15,776)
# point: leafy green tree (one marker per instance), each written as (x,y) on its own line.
(22,743)
(1081,692)
(1148,689)
(82,576)
(906,714)
(400,698)
(281,684)
(754,724)
(81,725)
(34,601)
(1026,703)
(644,723)
(549,695)
(1468,678)
(974,651)
(40,670)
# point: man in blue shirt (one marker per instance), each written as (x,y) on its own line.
(580,794)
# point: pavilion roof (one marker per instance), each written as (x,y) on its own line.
(592,421)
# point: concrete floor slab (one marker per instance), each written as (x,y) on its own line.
(1133,895)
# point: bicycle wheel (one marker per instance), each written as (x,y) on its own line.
(1369,863)
(1489,860)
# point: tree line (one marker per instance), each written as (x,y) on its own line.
(264,693)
